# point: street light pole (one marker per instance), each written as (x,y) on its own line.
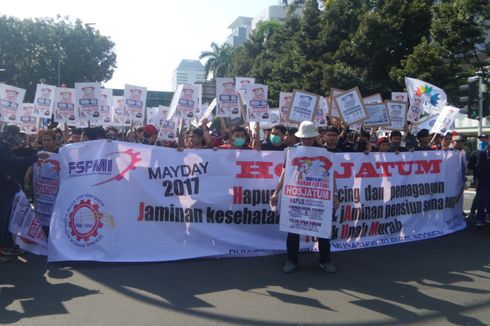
(59,61)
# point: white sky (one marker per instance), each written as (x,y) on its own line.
(151,37)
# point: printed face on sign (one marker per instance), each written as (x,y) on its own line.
(349,100)
(45,92)
(11,95)
(229,88)
(187,93)
(259,94)
(135,94)
(88,92)
(244,84)
(66,97)
(103,99)
(305,101)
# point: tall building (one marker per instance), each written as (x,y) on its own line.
(242,27)
(270,13)
(188,72)
(240,31)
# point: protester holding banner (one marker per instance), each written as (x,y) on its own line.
(383,145)
(424,137)
(9,138)
(76,136)
(195,139)
(307,134)
(331,138)
(396,142)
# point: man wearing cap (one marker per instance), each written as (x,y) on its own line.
(150,134)
(307,134)
(9,185)
(383,145)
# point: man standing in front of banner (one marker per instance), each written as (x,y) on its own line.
(307,134)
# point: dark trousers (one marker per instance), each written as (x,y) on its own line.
(292,245)
(474,204)
(483,194)
(6,240)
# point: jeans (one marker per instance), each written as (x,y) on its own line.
(292,245)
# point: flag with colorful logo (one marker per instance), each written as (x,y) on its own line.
(433,98)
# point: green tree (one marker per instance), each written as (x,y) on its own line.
(31,49)
(218,60)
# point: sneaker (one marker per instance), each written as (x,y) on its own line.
(479,223)
(328,267)
(289,267)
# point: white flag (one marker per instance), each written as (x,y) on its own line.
(433,98)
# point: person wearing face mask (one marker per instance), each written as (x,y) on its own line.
(238,139)
(275,142)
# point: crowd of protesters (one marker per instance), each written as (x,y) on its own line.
(18,152)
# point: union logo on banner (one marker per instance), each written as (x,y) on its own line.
(86,220)
(105,166)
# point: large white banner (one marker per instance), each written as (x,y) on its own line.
(388,198)
(130,202)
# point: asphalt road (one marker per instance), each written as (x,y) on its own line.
(434,282)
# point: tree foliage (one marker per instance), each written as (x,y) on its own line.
(30,49)
(372,44)
(218,60)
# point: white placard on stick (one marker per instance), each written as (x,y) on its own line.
(241,84)
(445,120)
(64,106)
(44,100)
(321,113)
(88,101)
(373,99)
(228,103)
(399,96)
(398,114)
(334,109)
(184,102)
(134,102)
(351,106)
(106,98)
(284,106)
(257,104)
(28,123)
(378,115)
(303,106)
(11,99)
(119,119)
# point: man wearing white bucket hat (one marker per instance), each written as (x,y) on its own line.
(307,134)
